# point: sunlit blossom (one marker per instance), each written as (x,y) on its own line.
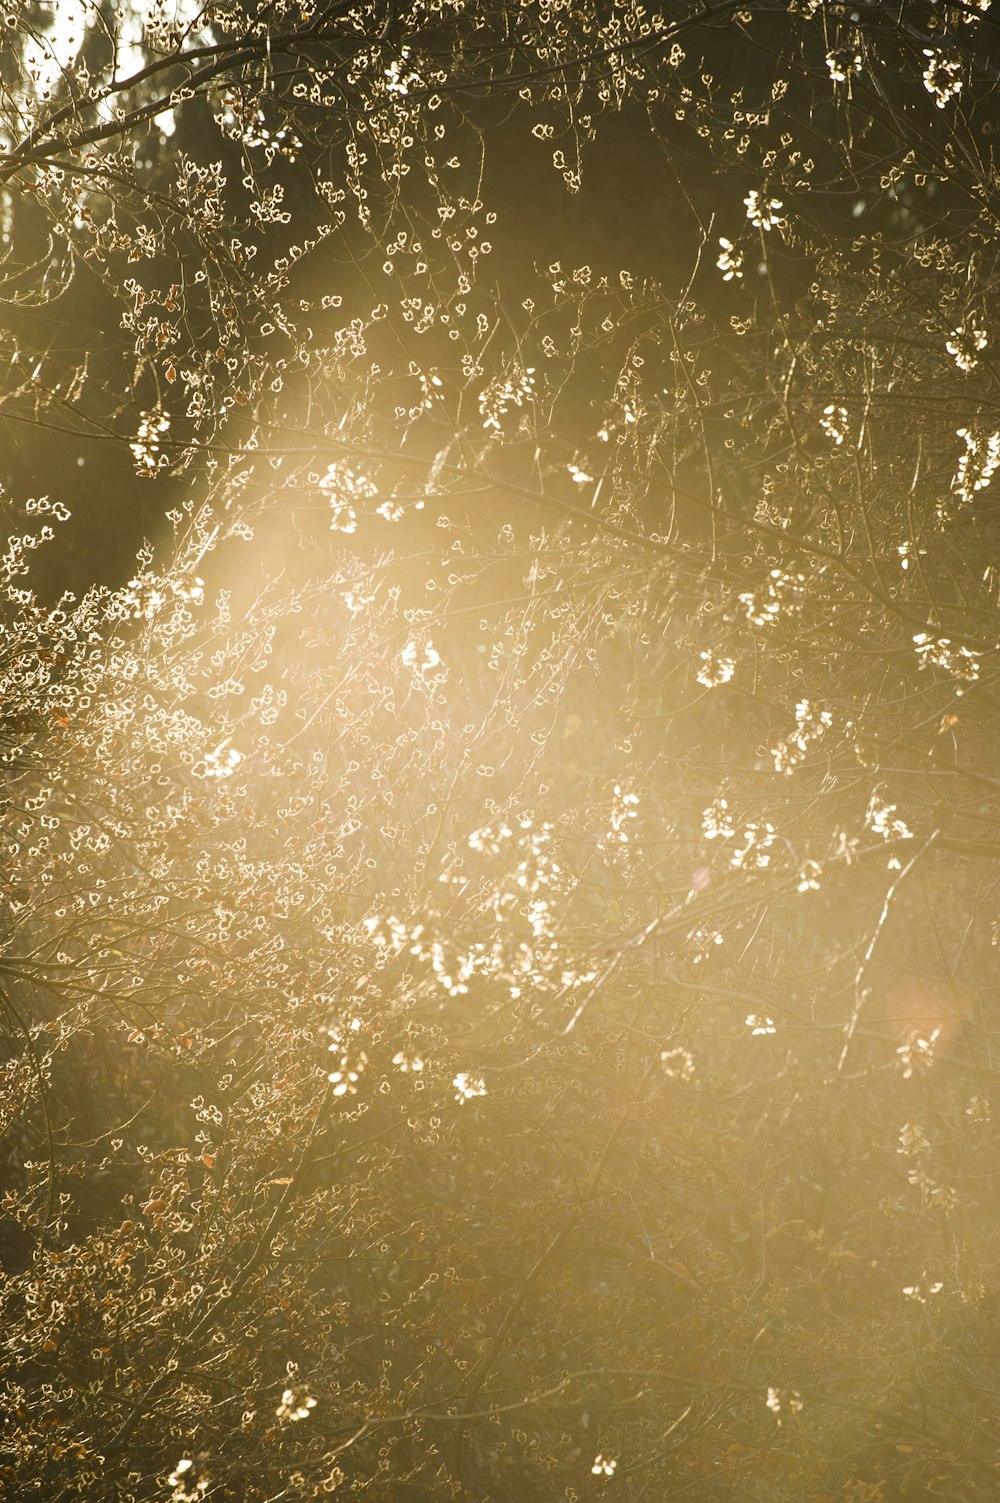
(942,76)
(843,63)
(834,422)
(763,212)
(421,658)
(923,1290)
(296,1404)
(783,1402)
(965,344)
(189,1482)
(220,763)
(715,669)
(468,1086)
(407,1060)
(730,260)
(678,1064)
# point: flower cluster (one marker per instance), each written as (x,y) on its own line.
(942,76)
(907,553)
(147,446)
(344,490)
(923,1290)
(407,1060)
(511,390)
(811,722)
(297,1403)
(912,1140)
(964,345)
(716,821)
(782,1402)
(349,1070)
(755,852)
(678,1064)
(917,1050)
(883,820)
(715,669)
(783,593)
(467,1087)
(843,63)
(730,260)
(978,464)
(834,423)
(189,1481)
(218,764)
(624,808)
(421,658)
(940,652)
(763,212)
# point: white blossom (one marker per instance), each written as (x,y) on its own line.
(922,1290)
(912,1140)
(678,1064)
(979,463)
(468,1087)
(730,260)
(716,822)
(964,345)
(917,1049)
(513,389)
(350,1068)
(782,594)
(942,76)
(811,722)
(961,662)
(296,1404)
(755,851)
(422,659)
(843,63)
(220,763)
(883,820)
(763,212)
(782,1401)
(907,552)
(834,422)
(715,669)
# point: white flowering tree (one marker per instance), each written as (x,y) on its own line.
(499,903)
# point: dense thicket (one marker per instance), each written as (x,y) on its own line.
(498,712)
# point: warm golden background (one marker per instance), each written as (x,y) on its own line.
(500,825)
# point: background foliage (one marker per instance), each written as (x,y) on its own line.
(498,712)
